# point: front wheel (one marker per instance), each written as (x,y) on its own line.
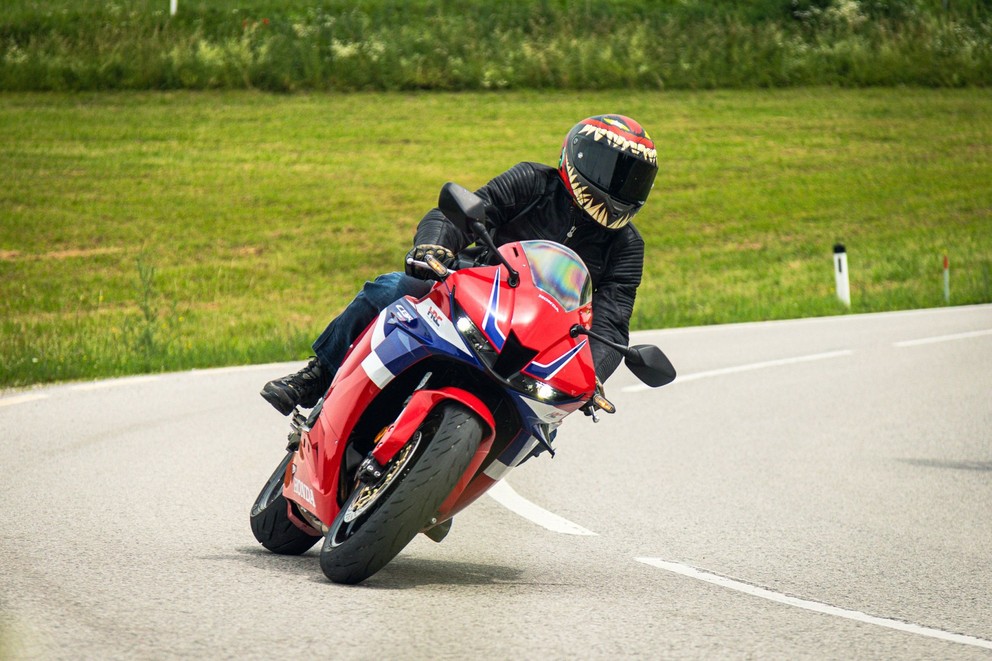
(270,522)
(379,519)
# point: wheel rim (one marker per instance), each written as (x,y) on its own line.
(362,500)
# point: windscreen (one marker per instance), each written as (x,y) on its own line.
(559,272)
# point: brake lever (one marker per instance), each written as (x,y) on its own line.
(431,264)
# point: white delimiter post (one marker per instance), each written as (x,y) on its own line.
(947,280)
(173,6)
(840,273)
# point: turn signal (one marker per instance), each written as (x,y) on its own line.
(603,403)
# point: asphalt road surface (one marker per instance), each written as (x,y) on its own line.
(806,489)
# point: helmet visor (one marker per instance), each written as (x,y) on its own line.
(623,176)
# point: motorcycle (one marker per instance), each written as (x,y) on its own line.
(437,400)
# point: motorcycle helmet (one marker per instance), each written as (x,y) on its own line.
(608,164)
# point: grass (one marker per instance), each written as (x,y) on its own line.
(158,231)
(361,45)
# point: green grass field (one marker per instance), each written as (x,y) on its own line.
(158,231)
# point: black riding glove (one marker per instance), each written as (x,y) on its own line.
(419,253)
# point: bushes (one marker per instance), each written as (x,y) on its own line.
(468,45)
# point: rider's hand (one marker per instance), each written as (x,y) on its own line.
(419,253)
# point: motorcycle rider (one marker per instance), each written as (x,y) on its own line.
(606,170)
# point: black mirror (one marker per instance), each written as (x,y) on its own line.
(650,365)
(461,206)
(467,212)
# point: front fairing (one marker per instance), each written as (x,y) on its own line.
(539,313)
(553,296)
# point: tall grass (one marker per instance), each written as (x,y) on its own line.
(477,44)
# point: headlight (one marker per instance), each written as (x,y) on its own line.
(538,389)
(476,340)
(522,383)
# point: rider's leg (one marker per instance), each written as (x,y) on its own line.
(310,384)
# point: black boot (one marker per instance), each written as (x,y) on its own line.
(301,389)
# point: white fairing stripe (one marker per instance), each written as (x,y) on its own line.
(498,469)
(493,306)
(372,364)
(546,412)
(376,370)
(379,330)
(429,312)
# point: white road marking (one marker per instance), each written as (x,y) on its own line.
(132,380)
(815,606)
(747,368)
(113,383)
(504,494)
(22,399)
(234,369)
(941,338)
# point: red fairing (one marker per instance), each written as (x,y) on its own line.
(317,463)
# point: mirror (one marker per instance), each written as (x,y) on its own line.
(650,365)
(461,206)
(467,212)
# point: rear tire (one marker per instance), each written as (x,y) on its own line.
(270,522)
(356,549)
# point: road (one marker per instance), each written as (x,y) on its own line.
(805,489)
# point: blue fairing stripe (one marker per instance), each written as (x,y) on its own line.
(426,332)
(489,325)
(545,372)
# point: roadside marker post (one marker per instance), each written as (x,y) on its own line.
(841,275)
(947,280)
(173,7)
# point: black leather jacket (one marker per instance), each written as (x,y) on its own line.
(529,201)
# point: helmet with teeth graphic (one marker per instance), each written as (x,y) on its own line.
(608,164)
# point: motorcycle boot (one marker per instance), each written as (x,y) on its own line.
(304,388)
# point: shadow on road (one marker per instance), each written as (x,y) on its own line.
(955,465)
(401,574)
(410,572)
(259,558)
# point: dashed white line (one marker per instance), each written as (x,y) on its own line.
(748,368)
(22,399)
(941,338)
(504,494)
(815,606)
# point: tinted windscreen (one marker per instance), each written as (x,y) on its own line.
(624,177)
(558,271)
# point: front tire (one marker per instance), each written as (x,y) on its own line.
(270,522)
(361,543)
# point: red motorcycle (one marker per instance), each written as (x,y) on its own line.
(437,400)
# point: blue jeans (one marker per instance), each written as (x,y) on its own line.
(344,329)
